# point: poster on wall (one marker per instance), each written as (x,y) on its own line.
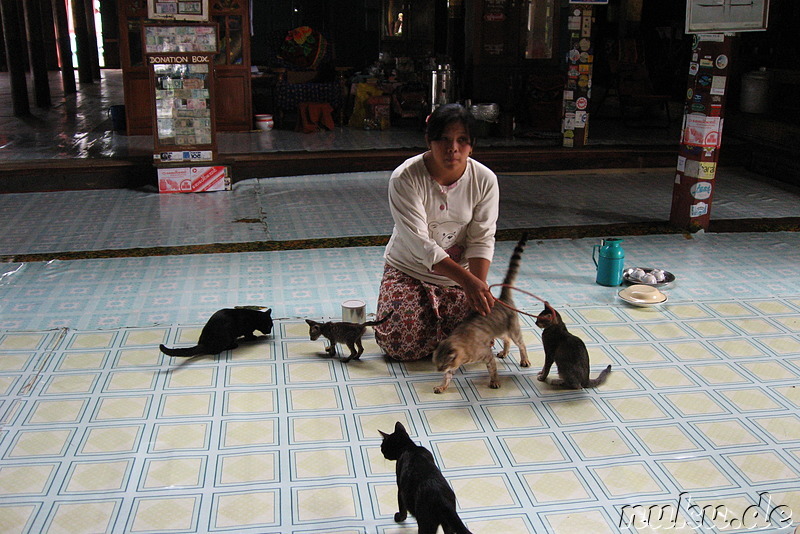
(703,16)
(194,10)
(178,39)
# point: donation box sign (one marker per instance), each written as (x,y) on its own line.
(181,63)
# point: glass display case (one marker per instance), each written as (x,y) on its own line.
(180,58)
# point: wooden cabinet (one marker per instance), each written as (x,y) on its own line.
(232,66)
(511,39)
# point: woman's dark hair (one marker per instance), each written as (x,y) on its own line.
(444,116)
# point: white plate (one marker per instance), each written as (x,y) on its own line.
(641,303)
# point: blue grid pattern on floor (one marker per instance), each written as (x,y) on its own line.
(700,410)
(705,384)
(352,204)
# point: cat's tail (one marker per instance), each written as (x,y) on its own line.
(513,267)
(601,378)
(375,323)
(454,522)
(183,352)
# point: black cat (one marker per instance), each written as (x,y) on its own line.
(421,487)
(223,329)
(342,332)
(567,351)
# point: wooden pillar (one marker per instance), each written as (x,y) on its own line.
(16,63)
(3,64)
(36,51)
(578,88)
(693,189)
(92,32)
(49,34)
(64,46)
(82,42)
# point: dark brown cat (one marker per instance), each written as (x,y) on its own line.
(223,329)
(567,351)
(471,341)
(342,332)
(421,488)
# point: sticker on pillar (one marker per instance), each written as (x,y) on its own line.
(698,210)
(701,190)
(586,57)
(708,170)
(706,62)
(574,23)
(677,178)
(681,163)
(568,95)
(702,170)
(693,68)
(583,81)
(711,37)
(721,62)
(569,121)
(574,55)
(700,130)
(718,85)
(584,44)
(581,103)
(581,118)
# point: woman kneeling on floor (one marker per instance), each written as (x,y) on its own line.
(444,205)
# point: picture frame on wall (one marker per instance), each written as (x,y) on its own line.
(185,10)
(716,16)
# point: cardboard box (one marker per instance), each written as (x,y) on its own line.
(379,110)
(193,179)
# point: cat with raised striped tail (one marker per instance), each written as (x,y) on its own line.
(567,351)
(471,341)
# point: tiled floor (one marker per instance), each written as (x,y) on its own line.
(79,126)
(99,432)
(701,407)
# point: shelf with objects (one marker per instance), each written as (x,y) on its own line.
(180,59)
(231,61)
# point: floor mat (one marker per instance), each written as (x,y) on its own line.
(700,420)
(353,205)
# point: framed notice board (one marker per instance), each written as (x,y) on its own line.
(193,10)
(181,63)
(717,16)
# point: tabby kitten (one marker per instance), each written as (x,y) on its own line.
(471,341)
(421,487)
(342,332)
(223,329)
(567,351)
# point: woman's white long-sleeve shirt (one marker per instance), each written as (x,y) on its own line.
(432,222)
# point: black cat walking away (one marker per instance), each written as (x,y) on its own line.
(223,329)
(421,488)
